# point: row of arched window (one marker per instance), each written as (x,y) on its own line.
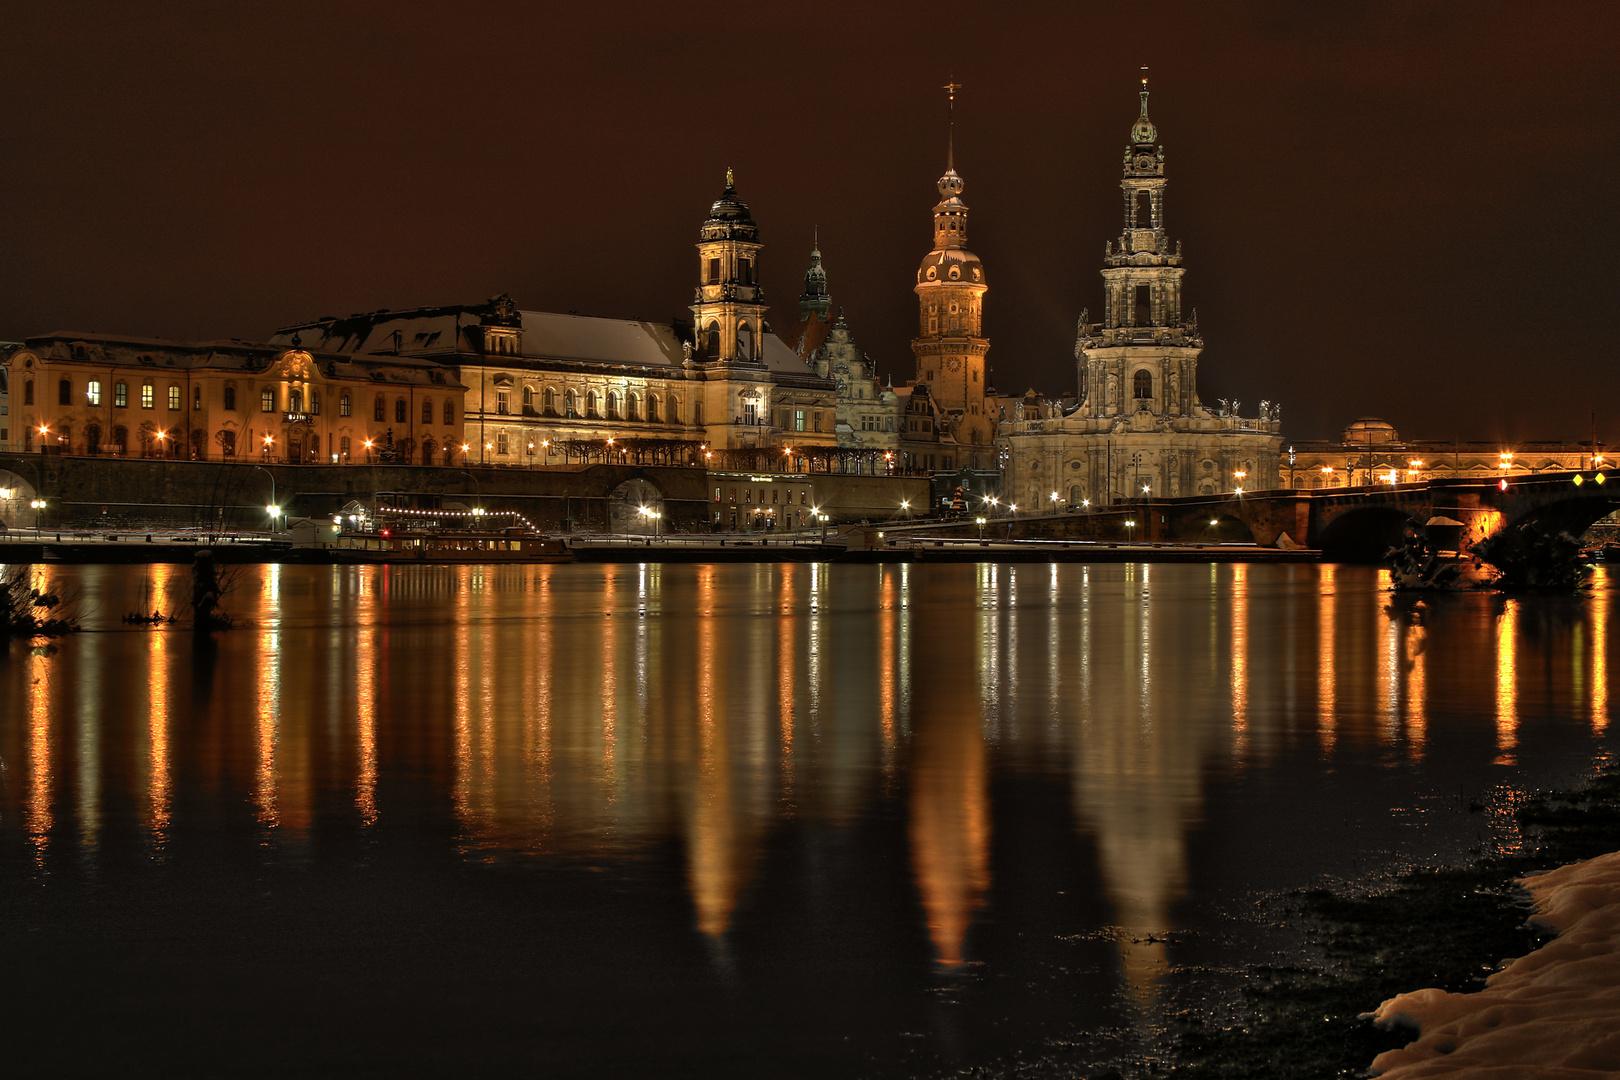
(596,405)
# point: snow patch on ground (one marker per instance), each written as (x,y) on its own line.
(1551,1015)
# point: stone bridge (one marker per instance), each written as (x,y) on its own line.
(1359,523)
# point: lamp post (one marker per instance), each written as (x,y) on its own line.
(1130,526)
(272,507)
(38,507)
(1239,476)
(1054,502)
(905,509)
(980,522)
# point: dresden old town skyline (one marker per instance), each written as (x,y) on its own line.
(1388,212)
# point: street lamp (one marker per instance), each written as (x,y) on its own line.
(905,507)
(1239,476)
(275,513)
(980,522)
(37,506)
(1130,524)
(1054,502)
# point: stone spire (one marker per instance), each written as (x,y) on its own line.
(815,298)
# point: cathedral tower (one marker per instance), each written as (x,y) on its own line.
(1140,431)
(950,343)
(729,312)
(1144,355)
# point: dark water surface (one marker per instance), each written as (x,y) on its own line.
(733,820)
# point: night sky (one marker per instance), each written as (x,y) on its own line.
(1402,210)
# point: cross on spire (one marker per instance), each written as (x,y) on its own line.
(950,88)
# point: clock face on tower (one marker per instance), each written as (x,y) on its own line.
(954,364)
(1143,162)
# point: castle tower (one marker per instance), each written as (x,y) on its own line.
(729,312)
(950,345)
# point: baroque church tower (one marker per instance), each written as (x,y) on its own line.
(950,343)
(1144,355)
(729,312)
(1140,431)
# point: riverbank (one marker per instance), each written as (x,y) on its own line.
(854,546)
(1440,929)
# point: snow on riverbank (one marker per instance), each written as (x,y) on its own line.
(1551,1015)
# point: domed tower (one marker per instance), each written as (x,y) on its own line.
(950,343)
(729,312)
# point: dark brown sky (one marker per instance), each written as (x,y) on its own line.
(1405,210)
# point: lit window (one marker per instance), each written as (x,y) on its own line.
(295,400)
(798,419)
(267,400)
(148,396)
(174,396)
(92,392)
(345,405)
(120,395)
(500,442)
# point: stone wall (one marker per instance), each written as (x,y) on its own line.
(84,492)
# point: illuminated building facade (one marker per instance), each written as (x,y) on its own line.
(867,410)
(1139,423)
(95,394)
(546,388)
(1371,451)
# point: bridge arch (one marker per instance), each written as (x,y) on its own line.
(15,495)
(1363,534)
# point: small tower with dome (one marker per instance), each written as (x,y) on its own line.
(729,310)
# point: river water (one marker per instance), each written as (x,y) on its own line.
(733,820)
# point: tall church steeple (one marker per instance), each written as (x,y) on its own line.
(814,299)
(950,345)
(729,312)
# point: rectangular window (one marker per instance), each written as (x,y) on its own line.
(427,410)
(230,397)
(92,392)
(345,405)
(377,412)
(28,392)
(174,397)
(120,395)
(148,396)
(196,399)
(816,419)
(449,412)
(798,419)
(267,400)
(315,404)
(714,271)
(716,494)
(64,392)
(697,413)
(500,442)
(503,402)
(399,410)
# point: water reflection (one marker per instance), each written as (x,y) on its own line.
(699,719)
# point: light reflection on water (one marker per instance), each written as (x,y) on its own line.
(517,716)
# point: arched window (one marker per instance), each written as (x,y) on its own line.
(674,404)
(120,395)
(64,392)
(1144,305)
(714,339)
(652,409)
(630,404)
(613,404)
(345,405)
(399,410)
(590,403)
(548,401)
(377,409)
(528,398)
(196,399)
(427,412)
(1142,384)
(295,400)
(745,341)
(449,412)
(571,404)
